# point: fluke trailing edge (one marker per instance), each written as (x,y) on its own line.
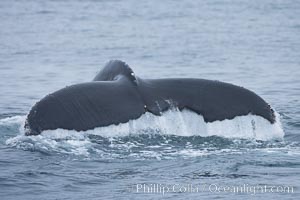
(117,95)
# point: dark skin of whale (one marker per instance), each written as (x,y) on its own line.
(116,96)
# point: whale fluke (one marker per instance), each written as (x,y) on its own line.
(116,95)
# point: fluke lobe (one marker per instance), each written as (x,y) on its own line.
(117,95)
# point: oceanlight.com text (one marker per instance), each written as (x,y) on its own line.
(157,188)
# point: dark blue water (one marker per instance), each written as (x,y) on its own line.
(46,45)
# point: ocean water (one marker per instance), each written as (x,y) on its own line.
(47,45)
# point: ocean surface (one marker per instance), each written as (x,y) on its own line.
(47,45)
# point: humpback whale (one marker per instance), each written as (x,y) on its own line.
(116,95)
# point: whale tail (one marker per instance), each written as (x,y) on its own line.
(116,96)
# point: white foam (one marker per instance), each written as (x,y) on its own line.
(204,152)
(71,143)
(13,120)
(188,123)
(17,121)
(174,122)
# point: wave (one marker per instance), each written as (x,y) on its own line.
(188,123)
(172,134)
(180,123)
